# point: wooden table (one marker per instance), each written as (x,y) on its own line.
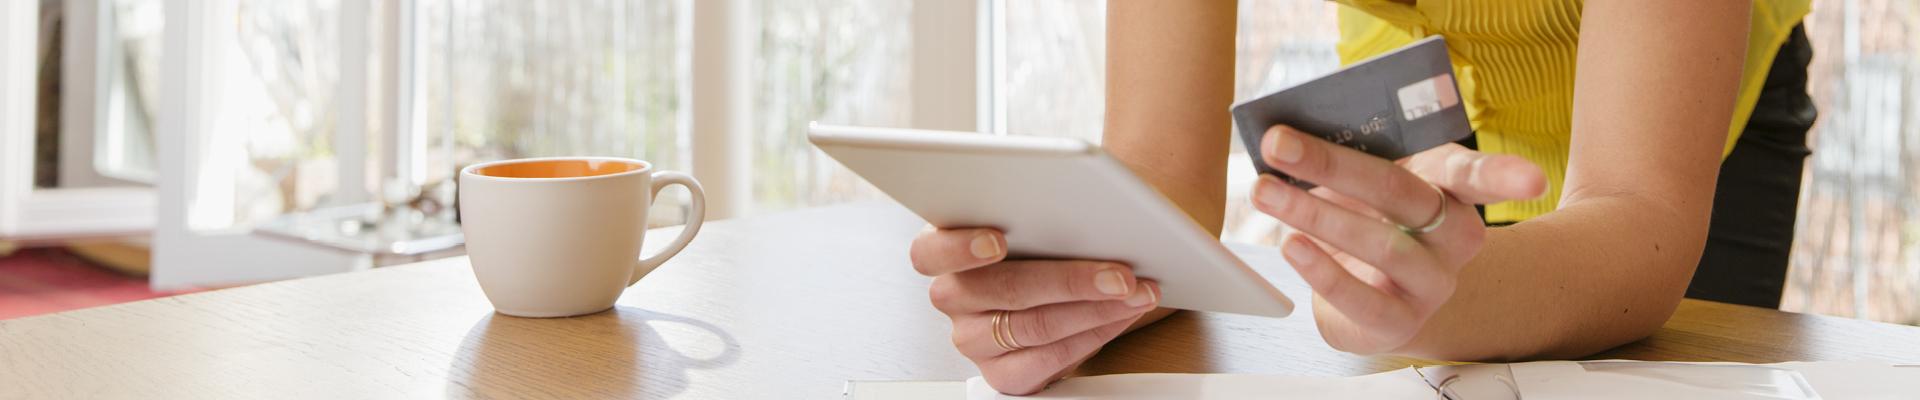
(788,305)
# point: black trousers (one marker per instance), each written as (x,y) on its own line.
(1754,203)
(1759,190)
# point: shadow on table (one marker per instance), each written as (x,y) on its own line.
(620,353)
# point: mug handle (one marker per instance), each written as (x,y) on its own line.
(695,215)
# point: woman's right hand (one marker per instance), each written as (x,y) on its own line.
(1058,312)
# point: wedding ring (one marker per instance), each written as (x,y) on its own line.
(1003,331)
(996,333)
(1439,216)
(1008,317)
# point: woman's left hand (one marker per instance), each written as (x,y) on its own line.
(1377,277)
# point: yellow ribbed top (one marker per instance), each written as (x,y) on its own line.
(1514,60)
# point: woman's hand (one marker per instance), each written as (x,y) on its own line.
(1057,312)
(1377,277)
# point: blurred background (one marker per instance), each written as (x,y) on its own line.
(185,144)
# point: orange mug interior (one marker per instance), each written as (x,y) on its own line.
(558,168)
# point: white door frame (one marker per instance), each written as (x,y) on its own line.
(947,49)
(724,35)
(27,212)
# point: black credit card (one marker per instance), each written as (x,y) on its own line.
(1391,106)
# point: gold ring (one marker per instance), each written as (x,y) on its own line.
(996,333)
(1439,215)
(1010,340)
(1003,331)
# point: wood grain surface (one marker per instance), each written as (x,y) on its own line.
(788,305)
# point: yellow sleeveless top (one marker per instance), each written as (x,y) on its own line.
(1514,60)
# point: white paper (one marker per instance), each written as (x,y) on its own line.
(1398,384)
(1613,379)
(1610,379)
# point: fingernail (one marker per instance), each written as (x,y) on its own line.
(1143,296)
(984,246)
(1110,282)
(1282,147)
(1270,193)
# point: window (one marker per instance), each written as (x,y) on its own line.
(99,73)
(1055,68)
(274,140)
(1856,248)
(513,79)
(1054,75)
(843,62)
(125,150)
(52,182)
(510,79)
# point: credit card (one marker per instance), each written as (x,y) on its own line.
(1391,106)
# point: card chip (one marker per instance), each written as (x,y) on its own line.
(1427,96)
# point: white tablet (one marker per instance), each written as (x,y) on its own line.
(1055,198)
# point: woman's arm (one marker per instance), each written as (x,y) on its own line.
(1169,83)
(1653,98)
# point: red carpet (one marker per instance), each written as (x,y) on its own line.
(49,280)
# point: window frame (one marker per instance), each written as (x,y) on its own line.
(90,63)
(28,212)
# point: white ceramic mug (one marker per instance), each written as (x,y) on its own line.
(558,237)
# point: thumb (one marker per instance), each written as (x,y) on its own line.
(1479,178)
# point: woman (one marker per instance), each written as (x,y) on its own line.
(1600,186)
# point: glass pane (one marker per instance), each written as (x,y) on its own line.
(1055,68)
(833,61)
(271,149)
(123,147)
(1283,42)
(511,79)
(1055,75)
(1856,248)
(112,142)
